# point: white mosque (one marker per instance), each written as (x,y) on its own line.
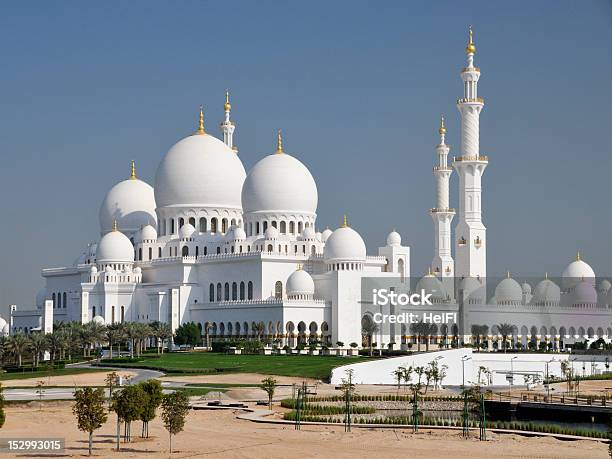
(227,249)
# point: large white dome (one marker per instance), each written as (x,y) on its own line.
(300,283)
(432,285)
(131,203)
(546,292)
(344,244)
(199,170)
(508,291)
(279,183)
(115,247)
(576,272)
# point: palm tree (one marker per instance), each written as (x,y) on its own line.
(369,328)
(207,327)
(429,330)
(39,344)
(164,332)
(112,336)
(418,329)
(18,345)
(505,329)
(259,328)
(131,334)
(479,331)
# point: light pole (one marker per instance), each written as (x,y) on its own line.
(547,381)
(512,373)
(464,359)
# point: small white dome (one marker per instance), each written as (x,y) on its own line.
(236,233)
(473,290)
(200,171)
(279,183)
(526,288)
(109,269)
(300,283)
(147,233)
(584,293)
(271,233)
(326,234)
(431,284)
(137,270)
(546,291)
(131,203)
(394,239)
(576,272)
(115,247)
(4,327)
(186,231)
(98,320)
(344,244)
(308,234)
(604,286)
(93,270)
(508,291)
(318,236)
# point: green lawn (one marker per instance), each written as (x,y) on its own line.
(44,374)
(282,365)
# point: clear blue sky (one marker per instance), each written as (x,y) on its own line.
(358,88)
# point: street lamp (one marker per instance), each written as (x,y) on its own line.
(548,379)
(512,373)
(464,359)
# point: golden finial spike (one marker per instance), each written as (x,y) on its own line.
(429,273)
(344,222)
(115,225)
(133,171)
(546,275)
(508,274)
(227,105)
(578,256)
(201,125)
(279,142)
(471,47)
(442,129)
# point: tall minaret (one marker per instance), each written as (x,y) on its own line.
(442,215)
(227,126)
(470,233)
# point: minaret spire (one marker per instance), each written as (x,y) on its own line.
(442,215)
(227,126)
(471,258)
(133,171)
(201,123)
(279,142)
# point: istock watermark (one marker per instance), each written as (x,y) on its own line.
(383,297)
(413,318)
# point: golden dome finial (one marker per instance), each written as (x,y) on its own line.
(344,222)
(133,171)
(115,225)
(201,125)
(429,272)
(442,129)
(227,105)
(279,142)
(578,256)
(471,47)
(546,275)
(508,274)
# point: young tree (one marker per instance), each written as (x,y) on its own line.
(152,399)
(269,386)
(398,373)
(175,407)
(111,381)
(89,410)
(128,404)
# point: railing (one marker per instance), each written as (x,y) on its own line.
(470,69)
(442,168)
(564,399)
(440,210)
(464,100)
(459,159)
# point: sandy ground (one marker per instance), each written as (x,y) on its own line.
(220,434)
(235,378)
(82,379)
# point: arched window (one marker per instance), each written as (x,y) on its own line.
(274,224)
(54,302)
(122,313)
(113,314)
(292,227)
(185,251)
(218,250)
(283,227)
(224,225)
(226,296)
(202,225)
(64,300)
(219,291)
(192,221)
(197,251)
(242,290)
(181,222)
(172,229)
(159,252)
(250,290)
(59,300)
(256,227)
(205,250)
(140,253)
(211,293)
(234,291)
(278,290)
(233,222)
(300,227)
(213,225)
(265,226)
(93,312)
(150,253)
(270,248)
